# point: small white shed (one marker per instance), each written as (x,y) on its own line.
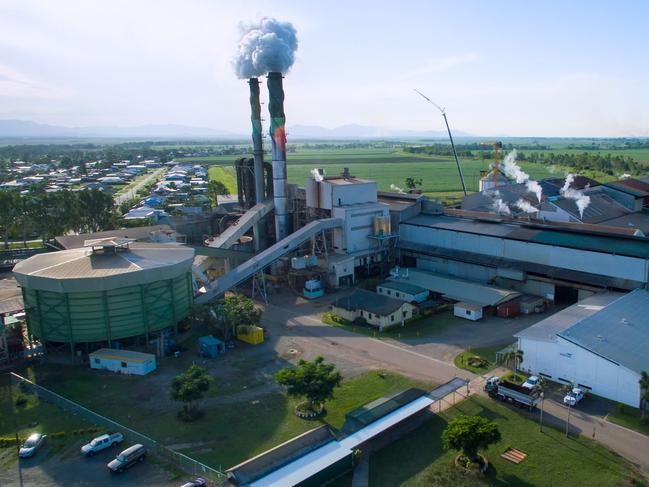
(122,361)
(468,311)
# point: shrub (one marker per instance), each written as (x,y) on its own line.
(20,401)
(621,408)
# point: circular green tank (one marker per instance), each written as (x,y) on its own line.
(106,292)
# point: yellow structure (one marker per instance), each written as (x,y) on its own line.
(250,334)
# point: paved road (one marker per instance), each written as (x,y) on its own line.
(300,327)
(132,192)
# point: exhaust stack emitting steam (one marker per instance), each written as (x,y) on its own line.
(581,200)
(521,204)
(500,207)
(396,188)
(513,171)
(317,175)
(266,46)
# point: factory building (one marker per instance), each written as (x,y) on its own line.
(111,289)
(599,344)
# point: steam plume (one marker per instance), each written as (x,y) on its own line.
(581,200)
(513,171)
(500,207)
(525,206)
(396,188)
(265,46)
(317,175)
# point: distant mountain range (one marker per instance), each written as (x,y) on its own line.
(16,129)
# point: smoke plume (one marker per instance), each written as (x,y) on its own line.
(521,204)
(317,175)
(581,200)
(513,171)
(396,188)
(265,46)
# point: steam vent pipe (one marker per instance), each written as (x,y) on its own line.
(278,138)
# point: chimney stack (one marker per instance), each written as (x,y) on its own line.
(258,154)
(278,138)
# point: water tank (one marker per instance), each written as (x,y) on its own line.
(103,293)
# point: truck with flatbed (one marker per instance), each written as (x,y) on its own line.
(518,395)
(101,443)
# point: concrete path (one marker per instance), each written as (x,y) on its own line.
(132,191)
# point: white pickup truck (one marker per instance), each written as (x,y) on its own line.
(573,397)
(101,443)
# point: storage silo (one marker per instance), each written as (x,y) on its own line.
(110,289)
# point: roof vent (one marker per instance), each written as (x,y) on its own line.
(601,338)
(624,321)
(109,245)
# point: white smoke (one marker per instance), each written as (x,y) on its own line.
(317,175)
(581,200)
(534,187)
(513,171)
(626,175)
(265,46)
(525,206)
(396,188)
(500,207)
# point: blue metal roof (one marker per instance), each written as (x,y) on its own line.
(619,332)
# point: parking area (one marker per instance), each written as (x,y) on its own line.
(52,467)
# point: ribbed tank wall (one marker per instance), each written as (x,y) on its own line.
(107,315)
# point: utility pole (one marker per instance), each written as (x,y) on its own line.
(541,420)
(568,421)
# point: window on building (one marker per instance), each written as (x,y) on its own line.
(467,311)
(369,315)
(97,361)
(389,292)
(397,294)
(392,318)
(363,314)
(124,365)
(405,314)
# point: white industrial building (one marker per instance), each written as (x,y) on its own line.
(403,290)
(122,361)
(599,344)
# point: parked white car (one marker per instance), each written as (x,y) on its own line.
(531,382)
(101,443)
(573,397)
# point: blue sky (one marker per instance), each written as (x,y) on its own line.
(500,68)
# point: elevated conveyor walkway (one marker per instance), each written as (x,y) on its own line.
(234,232)
(267,257)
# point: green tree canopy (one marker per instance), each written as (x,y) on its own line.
(190,387)
(214,189)
(469,434)
(314,381)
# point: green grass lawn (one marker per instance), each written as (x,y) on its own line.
(227,434)
(64,430)
(630,418)
(422,327)
(553,459)
(486,353)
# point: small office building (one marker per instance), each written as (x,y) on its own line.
(376,309)
(122,361)
(403,290)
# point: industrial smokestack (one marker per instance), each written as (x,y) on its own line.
(278,138)
(258,154)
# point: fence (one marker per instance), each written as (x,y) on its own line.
(183,462)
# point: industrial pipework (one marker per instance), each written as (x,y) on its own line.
(278,138)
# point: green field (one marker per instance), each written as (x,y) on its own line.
(418,459)
(228,433)
(385,166)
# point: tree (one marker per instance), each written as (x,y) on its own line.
(9,212)
(513,358)
(190,387)
(315,381)
(469,434)
(412,183)
(233,311)
(96,210)
(644,391)
(216,189)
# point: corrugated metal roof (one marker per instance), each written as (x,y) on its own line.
(138,233)
(369,301)
(548,328)
(458,289)
(618,332)
(80,270)
(633,187)
(122,355)
(405,287)
(601,208)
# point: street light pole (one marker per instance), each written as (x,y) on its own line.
(541,420)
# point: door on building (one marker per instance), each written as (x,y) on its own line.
(565,295)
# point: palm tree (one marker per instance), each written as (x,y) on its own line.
(644,391)
(514,356)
